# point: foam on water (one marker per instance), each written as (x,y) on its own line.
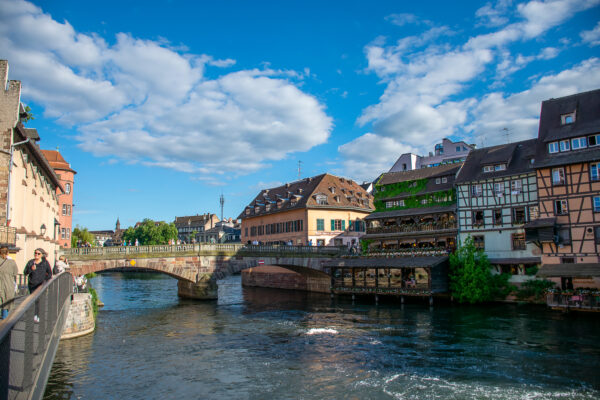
(321,331)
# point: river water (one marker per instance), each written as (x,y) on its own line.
(258,343)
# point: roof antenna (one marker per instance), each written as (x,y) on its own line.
(222,202)
(507,133)
(299,169)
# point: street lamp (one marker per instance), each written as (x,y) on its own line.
(43,229)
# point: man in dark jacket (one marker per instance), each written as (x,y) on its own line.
(37,270)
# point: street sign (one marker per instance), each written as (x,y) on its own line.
(261,262)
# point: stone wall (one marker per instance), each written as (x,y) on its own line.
(80,320)
(281,278)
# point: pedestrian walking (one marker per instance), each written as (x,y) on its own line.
(37,271)
(8,281)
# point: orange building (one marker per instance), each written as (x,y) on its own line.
(65,201)
(320,211)
(567,164)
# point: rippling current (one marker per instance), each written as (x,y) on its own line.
(272,344)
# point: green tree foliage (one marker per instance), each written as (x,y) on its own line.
(471,279)
(81,235)
(150,233)
(535,289)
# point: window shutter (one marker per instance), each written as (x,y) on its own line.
(343,224)
(333,224)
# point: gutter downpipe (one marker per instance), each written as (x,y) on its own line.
(10,167)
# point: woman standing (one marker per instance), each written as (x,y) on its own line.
(8,274)
(37,270)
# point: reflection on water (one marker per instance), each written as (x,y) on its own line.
(258,343)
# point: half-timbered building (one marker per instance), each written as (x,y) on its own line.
(567,163)
(414,209)
(496,195)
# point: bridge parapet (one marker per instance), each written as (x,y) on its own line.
(202,249)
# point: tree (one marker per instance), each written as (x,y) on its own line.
(470,277)
(81,235)
(149,233)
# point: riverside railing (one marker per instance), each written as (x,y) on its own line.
(208,248)
(574,301)
(29,338)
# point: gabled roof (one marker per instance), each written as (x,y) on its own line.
(422,173)
(516,156)
(336,192)
(586,107)
(194,219)
(57,161)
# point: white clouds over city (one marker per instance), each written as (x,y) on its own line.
(143,101)
(427,80)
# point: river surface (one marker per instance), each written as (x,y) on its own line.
(271,344)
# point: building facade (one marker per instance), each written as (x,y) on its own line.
(28,184)
(193,228)
(447,152)
(414,209)
(324,210)
(65,200)
(567,164)
(496,196)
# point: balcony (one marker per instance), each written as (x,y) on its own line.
(8,235)
(409,228)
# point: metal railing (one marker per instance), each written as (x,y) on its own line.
(588,302)
(29,338)
(207,248)
(8,235)
(408,228)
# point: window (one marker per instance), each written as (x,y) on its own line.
(564,236)
(423,201)
(64,209)
(579,143)
(321,199)
(567,118)
(515,187)
(497,216)
(67,188)
(488,168)
(444,180)
(518,215)
(438,181)
(596,203)
(518,241)
(246,231)
(479,242)
(561,207)
(392,204)
(499,189)
(338,225)
(68,209)
(558,176)
(457,149)
(476,191)
(595,171)
(500,167)
(478,218)
(534,212)
(565,145)
(597,234)
(553,147)
(594,140)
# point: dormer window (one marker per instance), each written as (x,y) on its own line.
(332,189)
(247,211)
(322,199)
(488,168)
(566,119)
(579,143)
(337,199)
(553,147)
(268,207)
(499,167)
(256,209)
(565,145)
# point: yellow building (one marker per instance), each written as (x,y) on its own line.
(324,210)
(28,184)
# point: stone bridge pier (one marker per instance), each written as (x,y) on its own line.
(197,275)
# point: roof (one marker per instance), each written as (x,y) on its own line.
(194,219)
(540,223)
(57,161)
(516,260)
(570,270)
(336,192)
(517,157)
(586,107)
(38,155)
(422,173)
(411,211)
(396,262)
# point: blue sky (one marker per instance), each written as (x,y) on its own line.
(161,106)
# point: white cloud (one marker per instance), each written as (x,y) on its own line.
(424,98)
(402,19)
(592,37)
(145,102)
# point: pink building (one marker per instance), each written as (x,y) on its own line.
(65,201)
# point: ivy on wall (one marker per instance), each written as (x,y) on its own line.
(395,189)
(441,198)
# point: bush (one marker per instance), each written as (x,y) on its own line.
(531,270)
(92,291)
(535,289)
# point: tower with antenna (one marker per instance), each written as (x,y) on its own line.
(222,202)
(299,169)
(506,131)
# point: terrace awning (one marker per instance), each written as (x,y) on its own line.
(582,270)
(382,262)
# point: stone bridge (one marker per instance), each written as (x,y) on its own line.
(197,267)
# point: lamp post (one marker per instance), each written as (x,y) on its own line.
(43,229)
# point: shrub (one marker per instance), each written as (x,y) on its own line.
(535,289)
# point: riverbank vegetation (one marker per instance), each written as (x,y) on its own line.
(150,233)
